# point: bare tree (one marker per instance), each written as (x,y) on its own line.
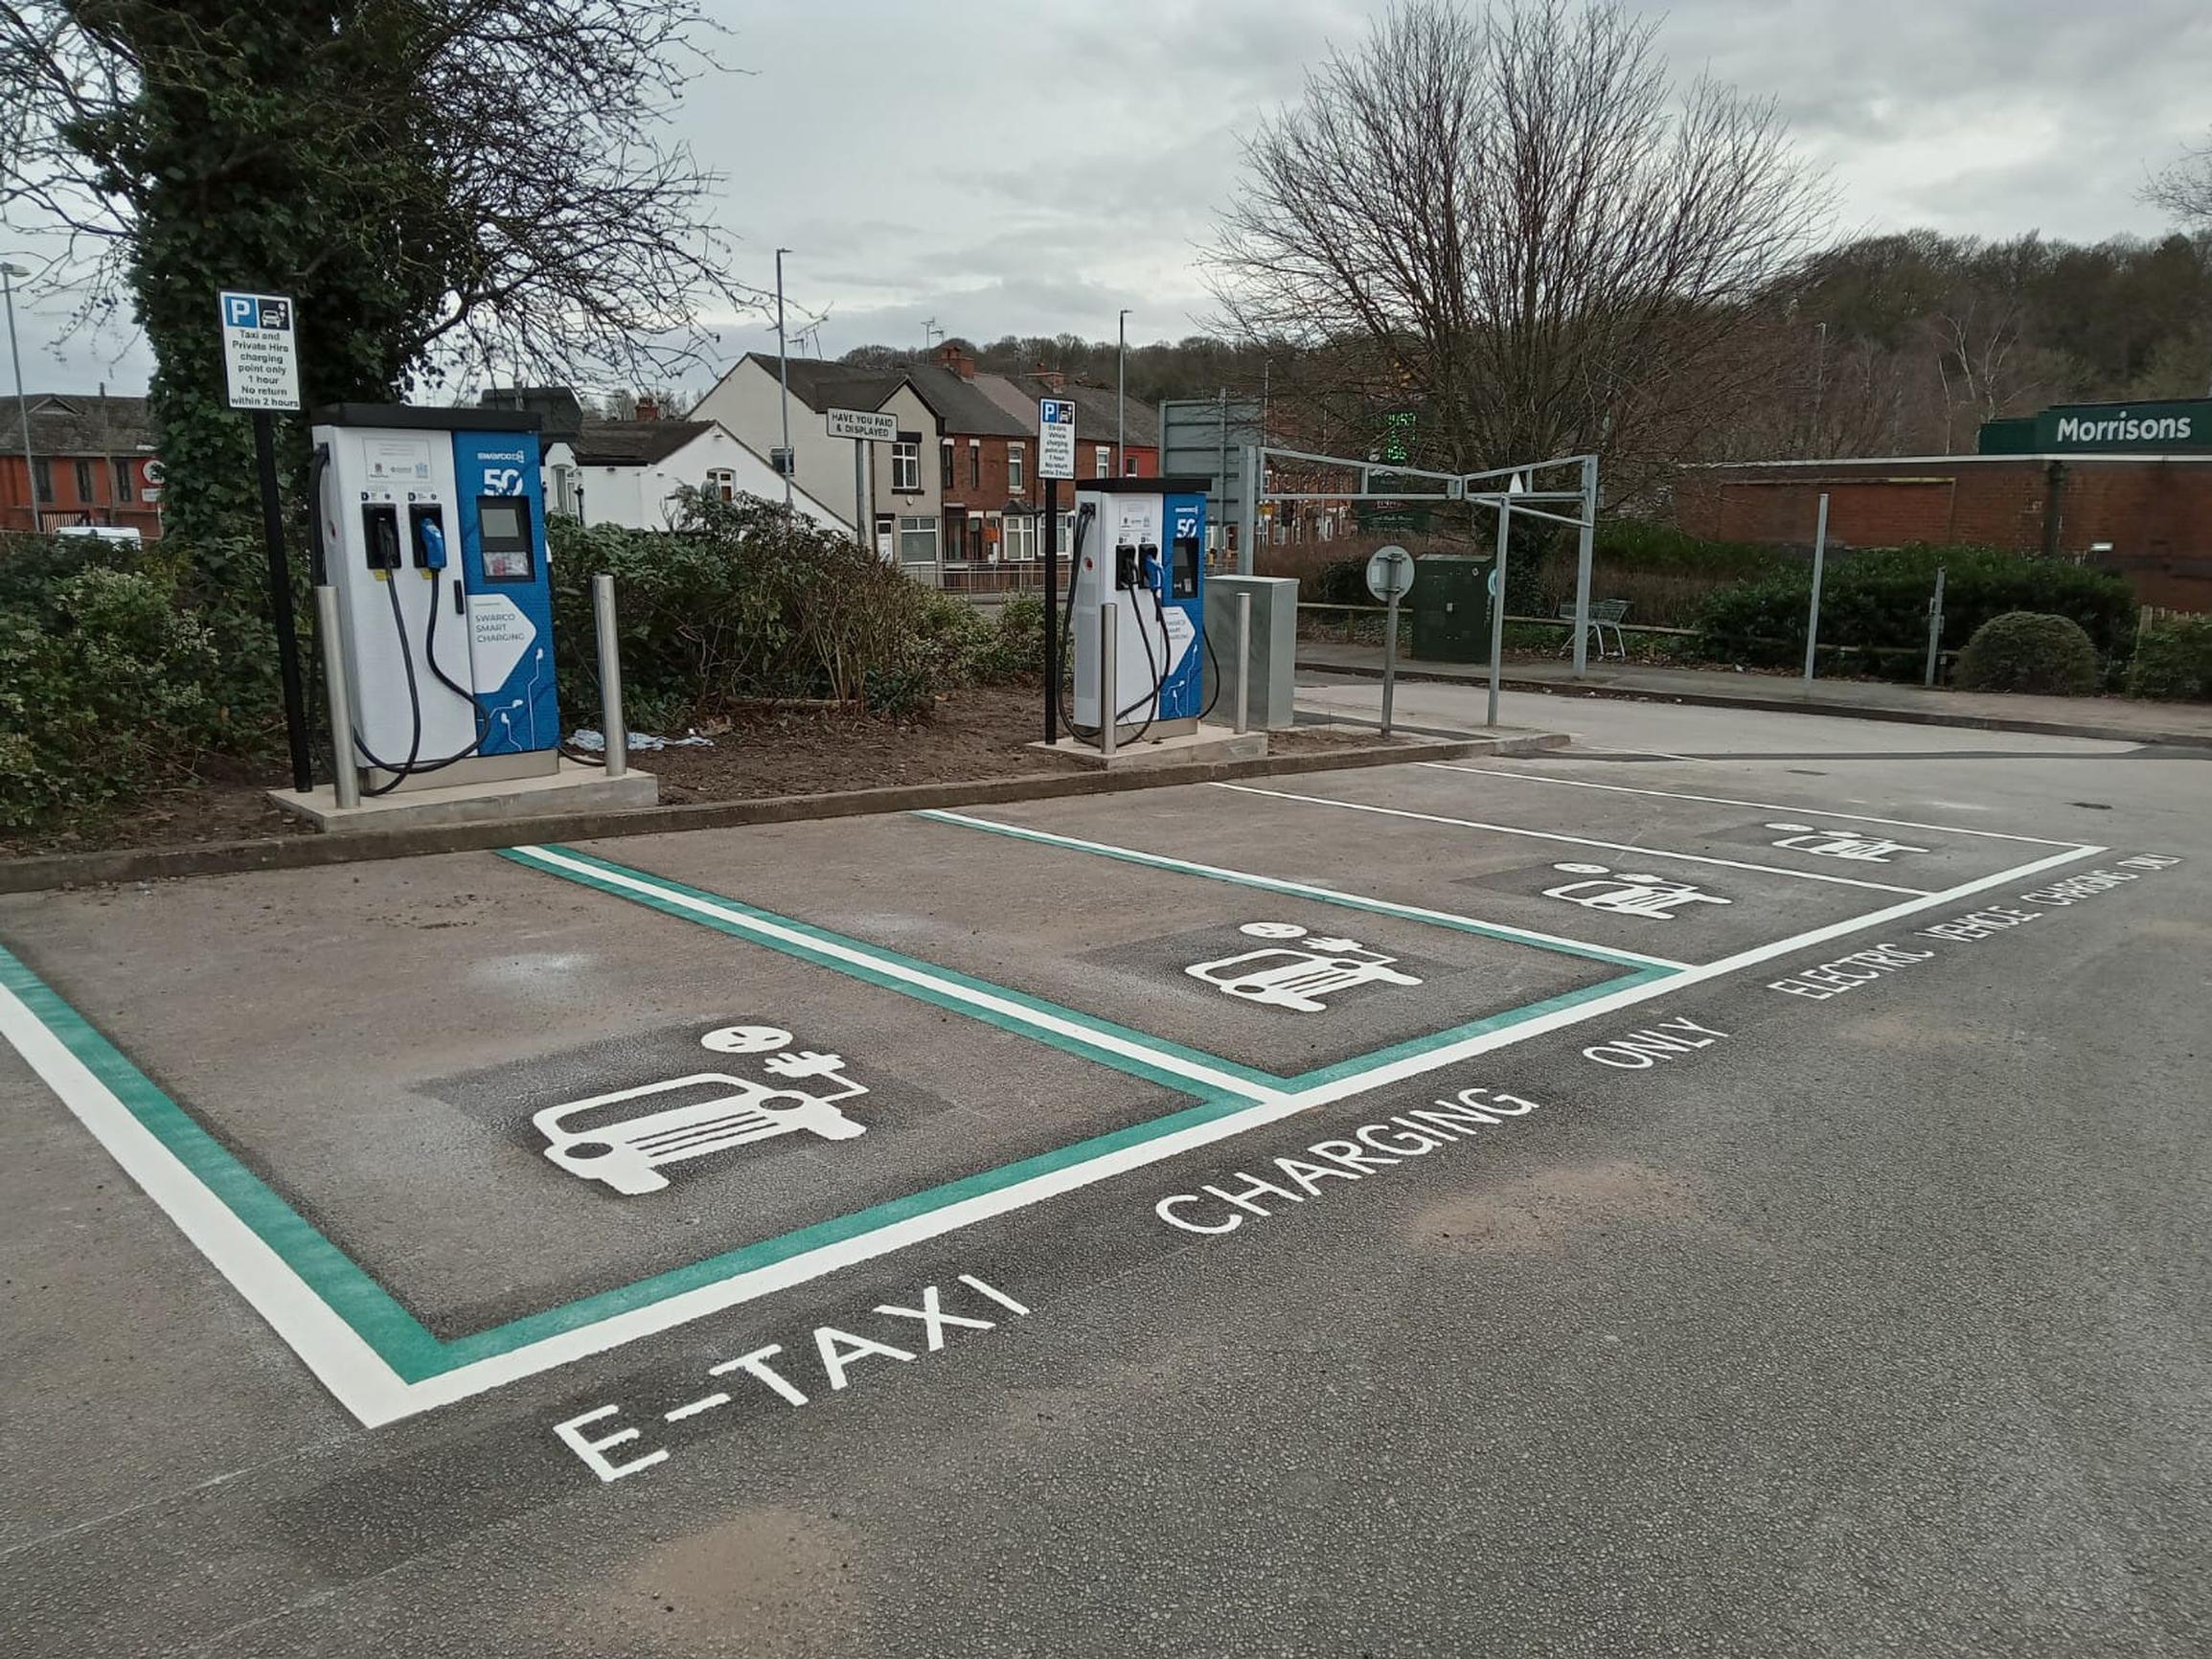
(2184,188)
(1534,234)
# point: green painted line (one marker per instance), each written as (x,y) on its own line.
(416,1354)
(333,1276)
(1300,890)
(607,1304)
(1416,1047)
(1262,1083)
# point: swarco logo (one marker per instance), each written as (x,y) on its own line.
(2123,428)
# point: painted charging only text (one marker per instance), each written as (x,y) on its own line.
(1371,1149)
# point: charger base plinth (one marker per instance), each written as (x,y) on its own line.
(576,788)
(1201,742)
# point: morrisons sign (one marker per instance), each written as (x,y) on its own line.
(2121,428)
(2088,429)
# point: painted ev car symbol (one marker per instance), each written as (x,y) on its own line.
(1298,979)
(690,1116)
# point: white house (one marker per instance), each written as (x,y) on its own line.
(629,472)
(750,401)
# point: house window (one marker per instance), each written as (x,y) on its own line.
(84,481)
(917,534)
(1066,536)
(1020,529)
(42,478)
(126,488)
(1014,469)
(906,469)
(975,464)
(1103,458)
(722,483)
(1128,466)
(945,464)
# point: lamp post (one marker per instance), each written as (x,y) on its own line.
(1122,393)
(8,275)
(783,374)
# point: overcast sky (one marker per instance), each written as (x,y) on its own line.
(1032,165)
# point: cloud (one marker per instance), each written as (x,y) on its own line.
(1034,166)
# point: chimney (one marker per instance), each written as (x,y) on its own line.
(1053,380)
(648,406)
(952,357)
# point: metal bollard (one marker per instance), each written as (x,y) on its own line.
(611,723)
(345,776)
(1108,706)
(1243,663)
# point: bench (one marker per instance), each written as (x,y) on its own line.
(1604,613)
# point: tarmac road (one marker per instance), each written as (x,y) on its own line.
(1822,1271)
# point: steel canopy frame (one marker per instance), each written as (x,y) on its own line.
(1456,486)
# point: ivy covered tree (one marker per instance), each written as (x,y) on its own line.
(435,182)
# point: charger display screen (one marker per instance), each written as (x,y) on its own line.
(503,525)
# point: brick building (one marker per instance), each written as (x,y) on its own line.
(2147,516)
(92,461)
(986,460)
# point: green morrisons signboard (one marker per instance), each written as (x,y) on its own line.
(2169,428)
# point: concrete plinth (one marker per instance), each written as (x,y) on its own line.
(1206,744)
(574,788)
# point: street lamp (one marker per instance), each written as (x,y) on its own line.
(1121,393)
(10,275)
(784,373)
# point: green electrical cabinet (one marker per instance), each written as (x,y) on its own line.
(1451,602)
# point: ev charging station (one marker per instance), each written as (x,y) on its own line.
(1139,549)
(431,545)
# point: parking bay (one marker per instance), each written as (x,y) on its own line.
(939,1006)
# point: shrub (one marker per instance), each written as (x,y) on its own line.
(2028,651)
(1644,545)
(105,690)
(1014,652)
(1341,582)
(742,600)
(1874,605)
(2174,660)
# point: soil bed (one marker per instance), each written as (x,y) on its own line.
(975,734)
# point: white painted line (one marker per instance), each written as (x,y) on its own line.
(1206,1076)
(1641,851)
(695,1407)
(1726,801)
(376,1396)
(345,1364)
(660,1316)
(1303,889)
(1415,1066)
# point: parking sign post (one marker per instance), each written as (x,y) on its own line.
(1055,461)
(1389,575)
(262,364)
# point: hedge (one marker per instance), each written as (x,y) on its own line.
(2174,661)
(1876,602)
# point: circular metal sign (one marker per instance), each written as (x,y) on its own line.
(1390,572)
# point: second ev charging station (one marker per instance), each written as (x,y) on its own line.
(1139,546)
(432,534)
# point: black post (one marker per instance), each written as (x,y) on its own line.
(281,604)
(1052,610)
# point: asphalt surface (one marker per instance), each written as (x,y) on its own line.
(1591,1305)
